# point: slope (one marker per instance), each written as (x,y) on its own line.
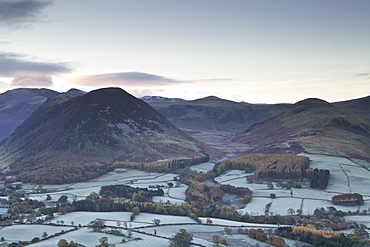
(213,113)
(96,129)
(359,106)
(313,126)
(18,104)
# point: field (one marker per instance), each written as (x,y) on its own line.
(118,176)
(204,167)
(345,177)
(28,232)
(144,228)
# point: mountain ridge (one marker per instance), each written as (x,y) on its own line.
(313,126)
(100,127)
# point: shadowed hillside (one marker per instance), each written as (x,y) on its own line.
(18,104)
(313,126)
(98,128)
(212,113)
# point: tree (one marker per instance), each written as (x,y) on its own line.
(135,210)
(103,240)
(48,197)
(181,239)
(291,211)
(63,199)
(35,240)
(361,232)
(157,222)
(96,225)
(317,213)
(44,235)
(227,230)
(270,186)
(216,239)
(63,243)
(129,233)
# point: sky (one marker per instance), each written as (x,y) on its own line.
(256,51)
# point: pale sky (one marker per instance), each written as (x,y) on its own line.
(257,51)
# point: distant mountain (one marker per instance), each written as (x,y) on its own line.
(73,92)
(18,104)
(213,113)
(312,126)
(359,106)
(91,132)
(160,98)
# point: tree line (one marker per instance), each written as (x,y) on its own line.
(282,166)
(319,178)
(309,234)
(41,171)
(126,191)
(184,209)
(164,166)
(348,199)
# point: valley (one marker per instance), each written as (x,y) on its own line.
(220,142)
(305,199)
(222,179)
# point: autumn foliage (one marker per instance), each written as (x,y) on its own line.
(348,199)
(164,166)
(268,165)
(310,234)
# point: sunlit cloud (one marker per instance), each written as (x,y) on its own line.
(147,92)
(27,73)
(17,13)
(32,80)
(128,79)
(135,79)
(210,80)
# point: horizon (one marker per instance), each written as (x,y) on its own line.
(263,52)
(257,103)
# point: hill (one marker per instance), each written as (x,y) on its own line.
(213,113)
(18,104)
(90,132)
(313,126)
(359,106)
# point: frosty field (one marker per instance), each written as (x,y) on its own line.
(204,167)
(28,232)
(345,177)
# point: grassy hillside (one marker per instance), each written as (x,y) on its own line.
(314,126)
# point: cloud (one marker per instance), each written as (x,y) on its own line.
(363,74)
(12,64)
(32,80)
(146,92)
(124,79)
(29,73)
(210,80)
(16,13)
(134,79)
